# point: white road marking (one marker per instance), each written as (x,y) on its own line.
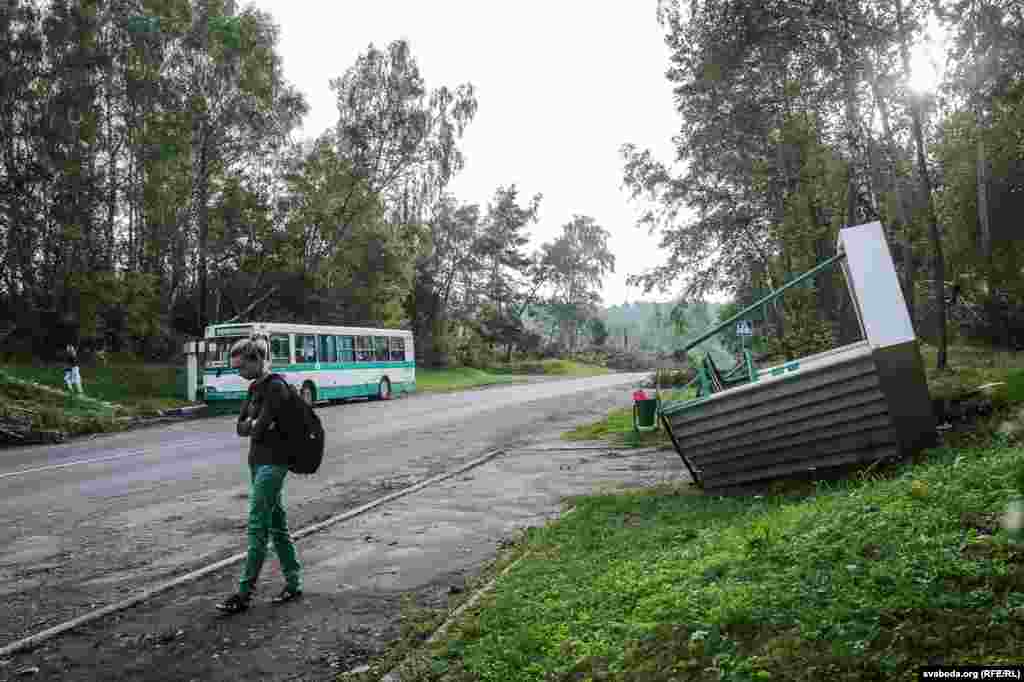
(134,453)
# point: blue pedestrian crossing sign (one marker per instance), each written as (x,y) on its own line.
(743,328)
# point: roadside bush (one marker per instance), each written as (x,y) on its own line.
(632,361)
(551,350)
(673,377)
(472,351)
(1015,387)
(591,356)
(530,342)
(558,367)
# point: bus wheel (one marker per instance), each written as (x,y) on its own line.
(384,390)
(308,393)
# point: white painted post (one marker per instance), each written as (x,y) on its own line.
(191,371)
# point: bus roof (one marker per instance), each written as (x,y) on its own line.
(246,328)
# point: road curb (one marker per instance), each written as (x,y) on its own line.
(190,411)
(32,641)
(394,676)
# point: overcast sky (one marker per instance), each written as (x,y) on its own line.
(561,85)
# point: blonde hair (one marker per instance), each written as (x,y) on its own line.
(256,347)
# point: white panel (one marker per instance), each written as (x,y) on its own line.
(875,286)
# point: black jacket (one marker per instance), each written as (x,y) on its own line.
(268,398)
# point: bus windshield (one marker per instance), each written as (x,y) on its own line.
(217,350)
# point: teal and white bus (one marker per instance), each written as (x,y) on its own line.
(324,363)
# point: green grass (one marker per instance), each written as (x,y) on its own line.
(970,367)
(137,385)
(551,367)
(456,378)
(860,580)
(618,425)
(49,409)
(121,389)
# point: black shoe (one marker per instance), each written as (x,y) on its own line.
(286,595)
(236,603)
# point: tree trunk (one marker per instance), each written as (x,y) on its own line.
(849,66)
(901,227)
(202,213)
(985,237)
(984,228)
(938,262)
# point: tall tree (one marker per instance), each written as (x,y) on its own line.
(578,260)
(233,88)
(448,260)
(938,259)
(774,152)
(400,139)
(502,245)
(988,61)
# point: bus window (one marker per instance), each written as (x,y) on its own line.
(397,349)
(364,350)
(279,349)
(327,349)
(380,347)
(305,348)
(346,352)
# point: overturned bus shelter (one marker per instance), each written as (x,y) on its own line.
(818,415)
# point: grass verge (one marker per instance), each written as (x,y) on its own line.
(570,368)
(457,378)
(48,409)
(618,425)
(113,393)
(136,386)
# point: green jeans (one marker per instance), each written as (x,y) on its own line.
(267,520)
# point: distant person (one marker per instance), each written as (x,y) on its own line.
(72,373)
(268,466)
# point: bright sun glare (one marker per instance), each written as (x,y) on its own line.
(927,58)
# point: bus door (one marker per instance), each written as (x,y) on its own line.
(305,358)
(364,358)
(327,358)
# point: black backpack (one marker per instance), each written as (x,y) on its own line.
(303,431)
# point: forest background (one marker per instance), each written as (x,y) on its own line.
(149,184)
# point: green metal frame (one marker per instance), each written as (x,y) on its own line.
(745,371)
(764,301)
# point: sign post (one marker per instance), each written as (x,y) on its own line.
(743,330)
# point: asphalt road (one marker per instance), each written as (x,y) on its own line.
(90,522)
